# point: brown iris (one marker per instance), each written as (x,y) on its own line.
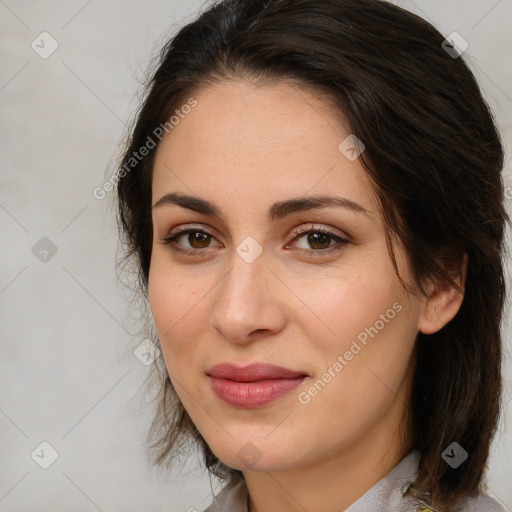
(202,239)
(318,238)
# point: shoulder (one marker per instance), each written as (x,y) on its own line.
(482,503)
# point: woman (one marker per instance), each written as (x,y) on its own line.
(312,197)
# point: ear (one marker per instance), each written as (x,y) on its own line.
(444,300)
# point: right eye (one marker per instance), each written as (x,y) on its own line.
(196,238)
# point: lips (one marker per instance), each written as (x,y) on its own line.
(252,373)
(254,385)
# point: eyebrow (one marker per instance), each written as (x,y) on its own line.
(277,211)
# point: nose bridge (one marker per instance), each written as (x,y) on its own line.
(248,266)
(244,285)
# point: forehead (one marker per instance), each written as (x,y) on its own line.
(261,140)
(275,115)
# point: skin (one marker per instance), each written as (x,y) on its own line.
(245,147)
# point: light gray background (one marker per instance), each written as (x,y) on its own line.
(68,374)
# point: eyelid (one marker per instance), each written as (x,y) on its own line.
(184,228)
(295,232)
(322,229)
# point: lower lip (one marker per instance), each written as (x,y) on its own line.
(250,395)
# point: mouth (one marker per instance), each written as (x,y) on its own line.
(253,386)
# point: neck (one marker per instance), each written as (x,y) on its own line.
(338,480)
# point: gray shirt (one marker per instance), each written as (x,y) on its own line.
(387,495)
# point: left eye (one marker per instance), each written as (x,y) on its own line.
(317,239)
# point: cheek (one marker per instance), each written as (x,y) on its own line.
(176,307)
(344,302)
(365,316)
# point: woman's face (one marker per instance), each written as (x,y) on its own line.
(259,284)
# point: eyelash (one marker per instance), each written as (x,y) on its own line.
(201,252)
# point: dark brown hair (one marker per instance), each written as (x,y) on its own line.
(434,155)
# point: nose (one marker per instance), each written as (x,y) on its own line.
(249,302)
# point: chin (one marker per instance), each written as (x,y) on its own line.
(254,463)
(251,455)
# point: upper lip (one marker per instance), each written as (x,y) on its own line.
(252,372)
